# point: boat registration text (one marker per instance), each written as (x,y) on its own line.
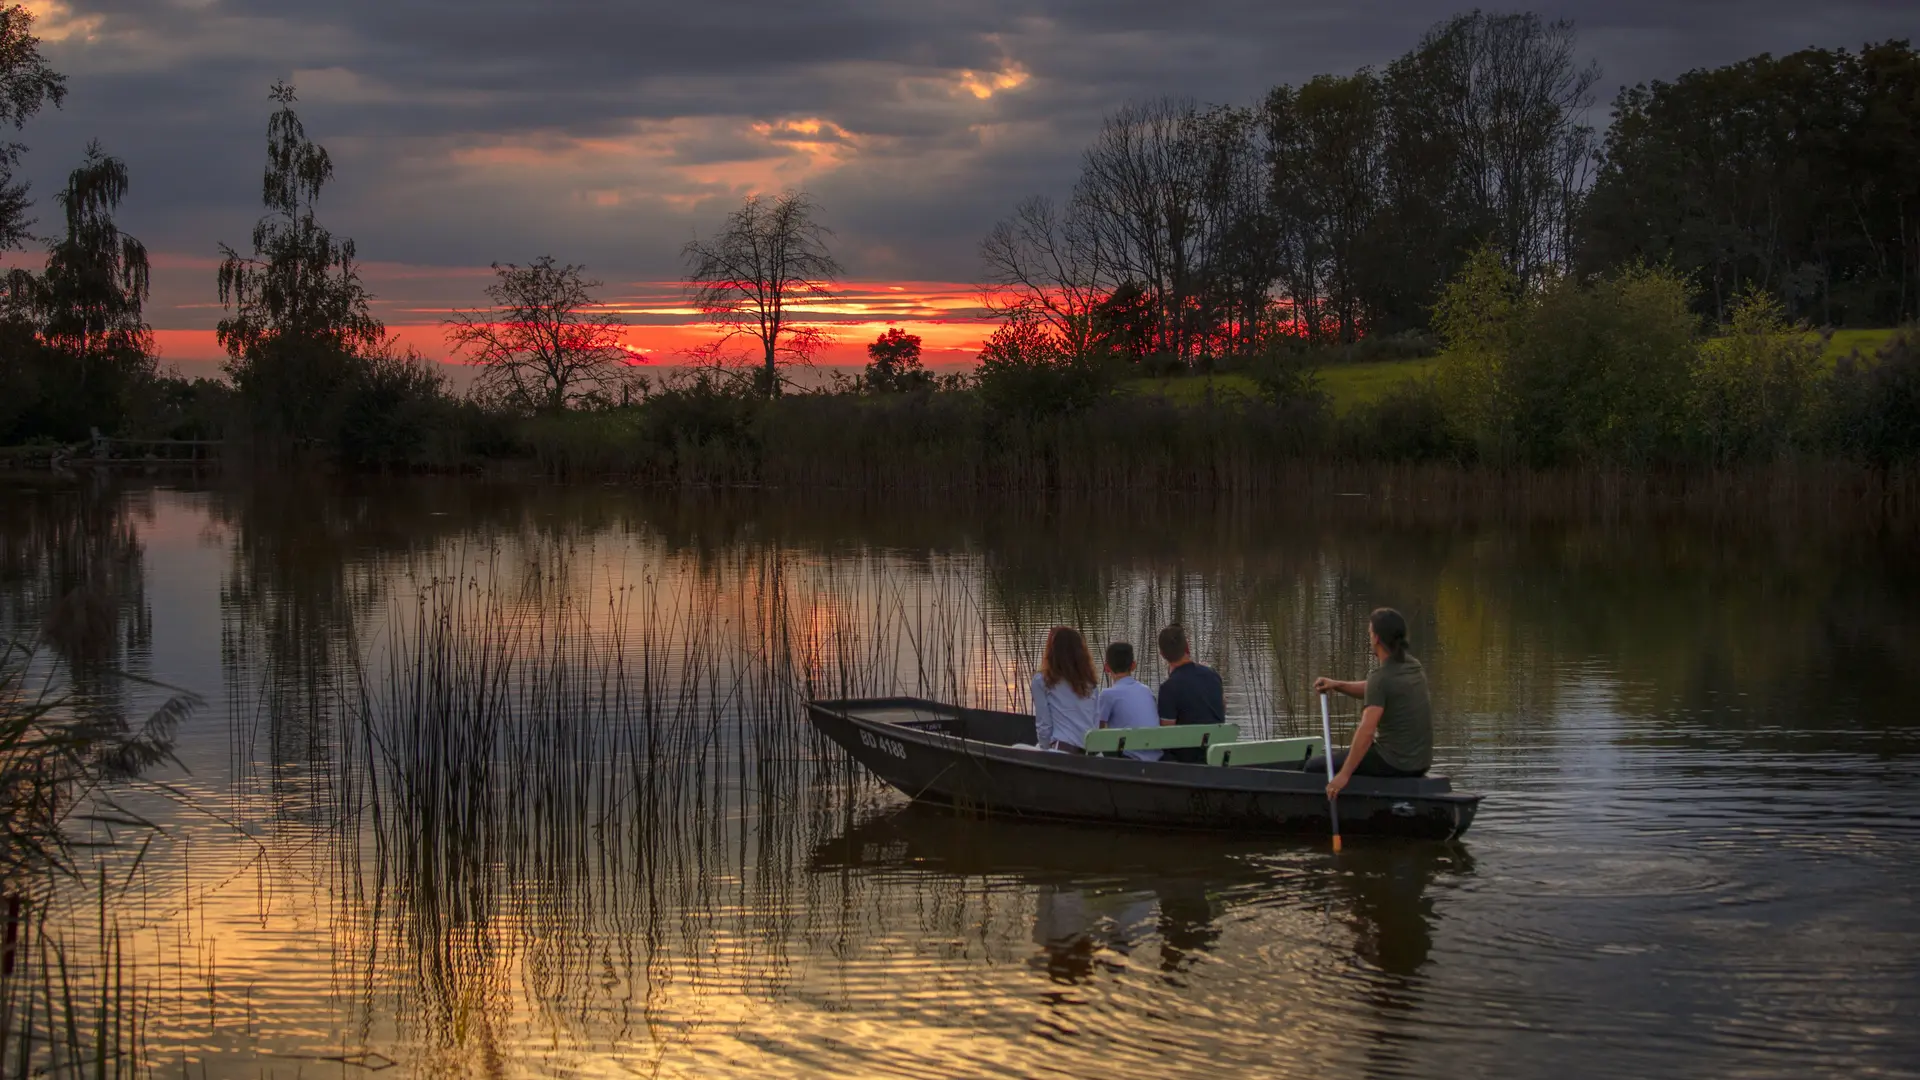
(884,745)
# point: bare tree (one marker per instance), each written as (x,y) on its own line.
(769,256)
(1172,197)
(1044,263)
(545,343)
(1507,98)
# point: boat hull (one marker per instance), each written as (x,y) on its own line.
(940,754)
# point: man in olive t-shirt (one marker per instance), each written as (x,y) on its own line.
(1404,736)
(1395,736)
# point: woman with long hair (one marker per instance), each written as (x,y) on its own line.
(1064,697)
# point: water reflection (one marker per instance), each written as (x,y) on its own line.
(581,827)
(1101,893)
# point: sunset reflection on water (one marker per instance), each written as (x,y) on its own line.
(631,855)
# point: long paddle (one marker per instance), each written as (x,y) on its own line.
(1326,746)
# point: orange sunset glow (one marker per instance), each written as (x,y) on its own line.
(661,328)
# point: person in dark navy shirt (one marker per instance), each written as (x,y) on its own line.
(1191,694)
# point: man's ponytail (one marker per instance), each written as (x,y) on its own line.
(1391,628)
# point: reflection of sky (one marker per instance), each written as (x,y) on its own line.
(1628,898)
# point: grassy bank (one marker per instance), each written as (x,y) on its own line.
(1347,386)
(1350,385)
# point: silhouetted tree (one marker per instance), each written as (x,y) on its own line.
(1123,322)
(1142,188)
(89,299)
(300,283)
(1044,262)
(769,256)
(893,363)
(545,342)
(1486,141)
(1791,174)
(300,316)
(1325,143)
(92,348)
(26,84)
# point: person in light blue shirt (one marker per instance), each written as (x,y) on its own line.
(1126,704)
(1065,691)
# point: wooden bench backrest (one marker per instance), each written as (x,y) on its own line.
(1165,737)
(1263,752)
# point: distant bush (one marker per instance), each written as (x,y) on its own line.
(48,393)
(1287,376)
(1411,422)
(1600,372)
(1024,373)
(1571,371)
(1755,389)
(1873,405)
(893,364)
(386,410)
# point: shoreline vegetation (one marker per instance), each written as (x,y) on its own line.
(1386,269)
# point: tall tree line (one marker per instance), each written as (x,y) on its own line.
(1798,175)
(1339,207)
(1351,199)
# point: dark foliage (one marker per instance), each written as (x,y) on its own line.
(298,297)
(893,364)
(1875,404)
(1410,423)
(27,84)
(1024,373)
(1793,174)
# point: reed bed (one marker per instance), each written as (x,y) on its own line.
(70,1003)
(1131,445)
(546,793)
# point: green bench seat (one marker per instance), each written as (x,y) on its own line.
(1165,737)
(1264,752)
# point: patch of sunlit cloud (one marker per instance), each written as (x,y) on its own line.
(679,163)
(54,20)
(985,84)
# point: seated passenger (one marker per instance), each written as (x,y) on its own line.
(1191,693)
(1126,704)
(1063,693)
(1395,736)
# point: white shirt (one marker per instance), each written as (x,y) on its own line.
(1060,715)
(1127,704)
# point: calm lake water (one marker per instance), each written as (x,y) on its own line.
(513,780)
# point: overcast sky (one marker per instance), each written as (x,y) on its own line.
(468,131)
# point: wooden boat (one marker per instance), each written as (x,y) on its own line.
(968,758)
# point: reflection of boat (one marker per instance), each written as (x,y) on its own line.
(1101,890)
(968,758)
(1096,890)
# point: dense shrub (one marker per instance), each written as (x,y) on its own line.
(1286,376)
(1756,388)
(1024,373)
(1570,370)
(1410,423)
(382,408)
(1873,406)
(1600,372)
(386,410)
(50,394)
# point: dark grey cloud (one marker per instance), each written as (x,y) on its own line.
(471,130)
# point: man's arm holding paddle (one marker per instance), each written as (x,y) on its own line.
(1362,735)
(1356,689)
